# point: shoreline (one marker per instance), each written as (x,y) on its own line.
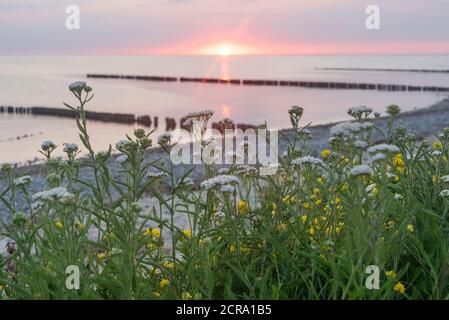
(424,122)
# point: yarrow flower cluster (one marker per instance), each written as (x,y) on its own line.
(444,193)
(23,181)
(345,128)
(122,144)
(219,181)
(360,144)
(164,139)
(362,169)
(70,148)
(245,170)
(155,175)
(59,193)
(359,112)
(388,148)
(200,116)
(398,197)
(77,87)
(48,145)
(307,160)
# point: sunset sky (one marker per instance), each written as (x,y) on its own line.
(223,27)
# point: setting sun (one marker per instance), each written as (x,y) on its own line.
(225,51)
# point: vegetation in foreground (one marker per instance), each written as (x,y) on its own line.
(307,232)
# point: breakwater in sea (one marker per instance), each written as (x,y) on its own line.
(282,83)
(387,70)
(123,118)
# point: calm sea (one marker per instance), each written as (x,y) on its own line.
(43,81)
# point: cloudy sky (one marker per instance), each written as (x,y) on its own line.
(233,26)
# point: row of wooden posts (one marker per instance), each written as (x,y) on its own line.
(303,84)
(131,119)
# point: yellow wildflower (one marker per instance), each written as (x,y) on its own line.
(155,233)
(169,265)
(337,201)
(304,218)
(311,231)
(437,145)
(281,227)
(319,202)
(391,274)
(146,232)
(389,224)
(186,296)
(242,207)
(399,287)
(273,208)
(344,187)
(232,248)
(306,205)
(164,282)
(398,162)
(245,249)
(410,228)
(59,224)
(325,153)
(156,294)
(187,233)
(320,180)
(101,256)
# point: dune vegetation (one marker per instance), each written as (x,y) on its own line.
(310,231)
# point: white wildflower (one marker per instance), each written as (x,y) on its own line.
(360,144)
(59,193)
(307,160)
(219,180)
(345,128)
(186,182)
(370,188)
(223,170)
(227,188)
(445,178)
(78,86)
(23,181)
(121,145)
(358,112)
(398,197)
(70,147)
(164,139)
(245,170)
(155,175)
(444,193)
(47,145)
(390,148)
(362,169)
(378,156)
(220,214)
